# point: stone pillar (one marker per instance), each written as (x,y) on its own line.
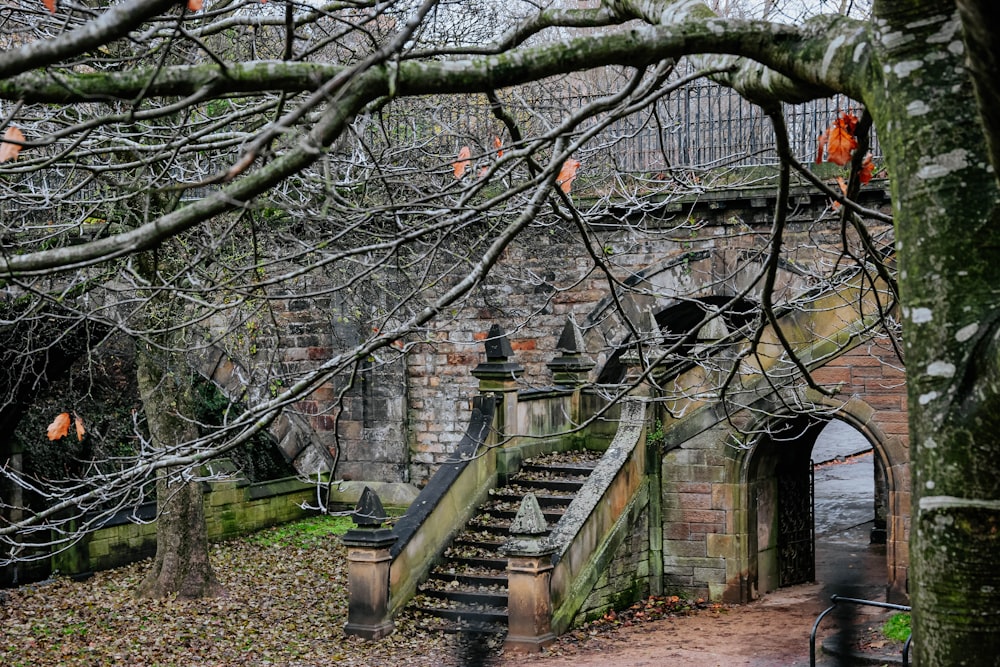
(572,367)
(368,561)
(499,374)
(638,358)
(529,573)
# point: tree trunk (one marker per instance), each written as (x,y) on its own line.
(181,565)
(947,209)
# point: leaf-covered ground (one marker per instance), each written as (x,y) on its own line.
(285,604)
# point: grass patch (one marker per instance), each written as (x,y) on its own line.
(897,627)
(305,533)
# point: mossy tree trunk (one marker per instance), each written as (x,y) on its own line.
(181,565)
(947,211)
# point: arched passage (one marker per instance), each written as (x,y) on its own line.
(778,479)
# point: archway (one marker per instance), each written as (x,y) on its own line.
(795,534)
(850,510)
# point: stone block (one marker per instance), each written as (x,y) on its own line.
(721,546)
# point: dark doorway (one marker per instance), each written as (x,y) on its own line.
(813,509)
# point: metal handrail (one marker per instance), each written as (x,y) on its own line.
(869,603)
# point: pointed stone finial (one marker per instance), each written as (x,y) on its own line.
(648,328)
(498,346)
(571,339)
(369,511)
(571,367)
(529,519)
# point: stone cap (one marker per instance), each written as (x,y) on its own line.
(498,347)
(528,531)
(369,513)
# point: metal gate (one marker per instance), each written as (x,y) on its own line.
(796,525)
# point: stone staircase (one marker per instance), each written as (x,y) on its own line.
(467,591)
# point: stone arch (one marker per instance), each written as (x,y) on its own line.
(767,458)
(292,433)
(675,286)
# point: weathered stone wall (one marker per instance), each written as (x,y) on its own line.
(404,413)
(709,246)
(231,508)
(626,580)
(716,498)
(702,515)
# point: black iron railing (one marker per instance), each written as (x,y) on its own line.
(839,599)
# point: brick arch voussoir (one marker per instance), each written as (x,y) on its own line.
(292,434)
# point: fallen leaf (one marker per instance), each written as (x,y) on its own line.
(8,149)
(567,174)
(462,163)
(50,5)
(59,428)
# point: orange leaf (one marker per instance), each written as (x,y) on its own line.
(843,188)
(195,5)
(50,5)
(462,163)
(497,144)
(822,146)
(867,170)
(847,121)
(59,428)
(80,430)
(840,145)
(567,174)
(8,149)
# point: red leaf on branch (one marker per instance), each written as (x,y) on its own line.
(50,5)
(462,163)
(8,149)
(867,170)
(497,144)
(843,188)
(822,146)
(839,145)
(59,428)
(195,5)
(567,174)
(839,140)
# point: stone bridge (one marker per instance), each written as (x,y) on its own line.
(731,483)
(705,486)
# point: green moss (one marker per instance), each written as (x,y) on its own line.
(306,532)
(897,627)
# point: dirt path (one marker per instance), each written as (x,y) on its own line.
(772,631)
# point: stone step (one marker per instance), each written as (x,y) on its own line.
(485,598)
(475,615)
(544,499)
(560,484)
(472,579)
(467,592)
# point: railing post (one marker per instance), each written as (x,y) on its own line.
(529,574)
(368,563)
(572,367)
(643,354)
(499,374)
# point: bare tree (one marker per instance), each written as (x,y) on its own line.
(248,144)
